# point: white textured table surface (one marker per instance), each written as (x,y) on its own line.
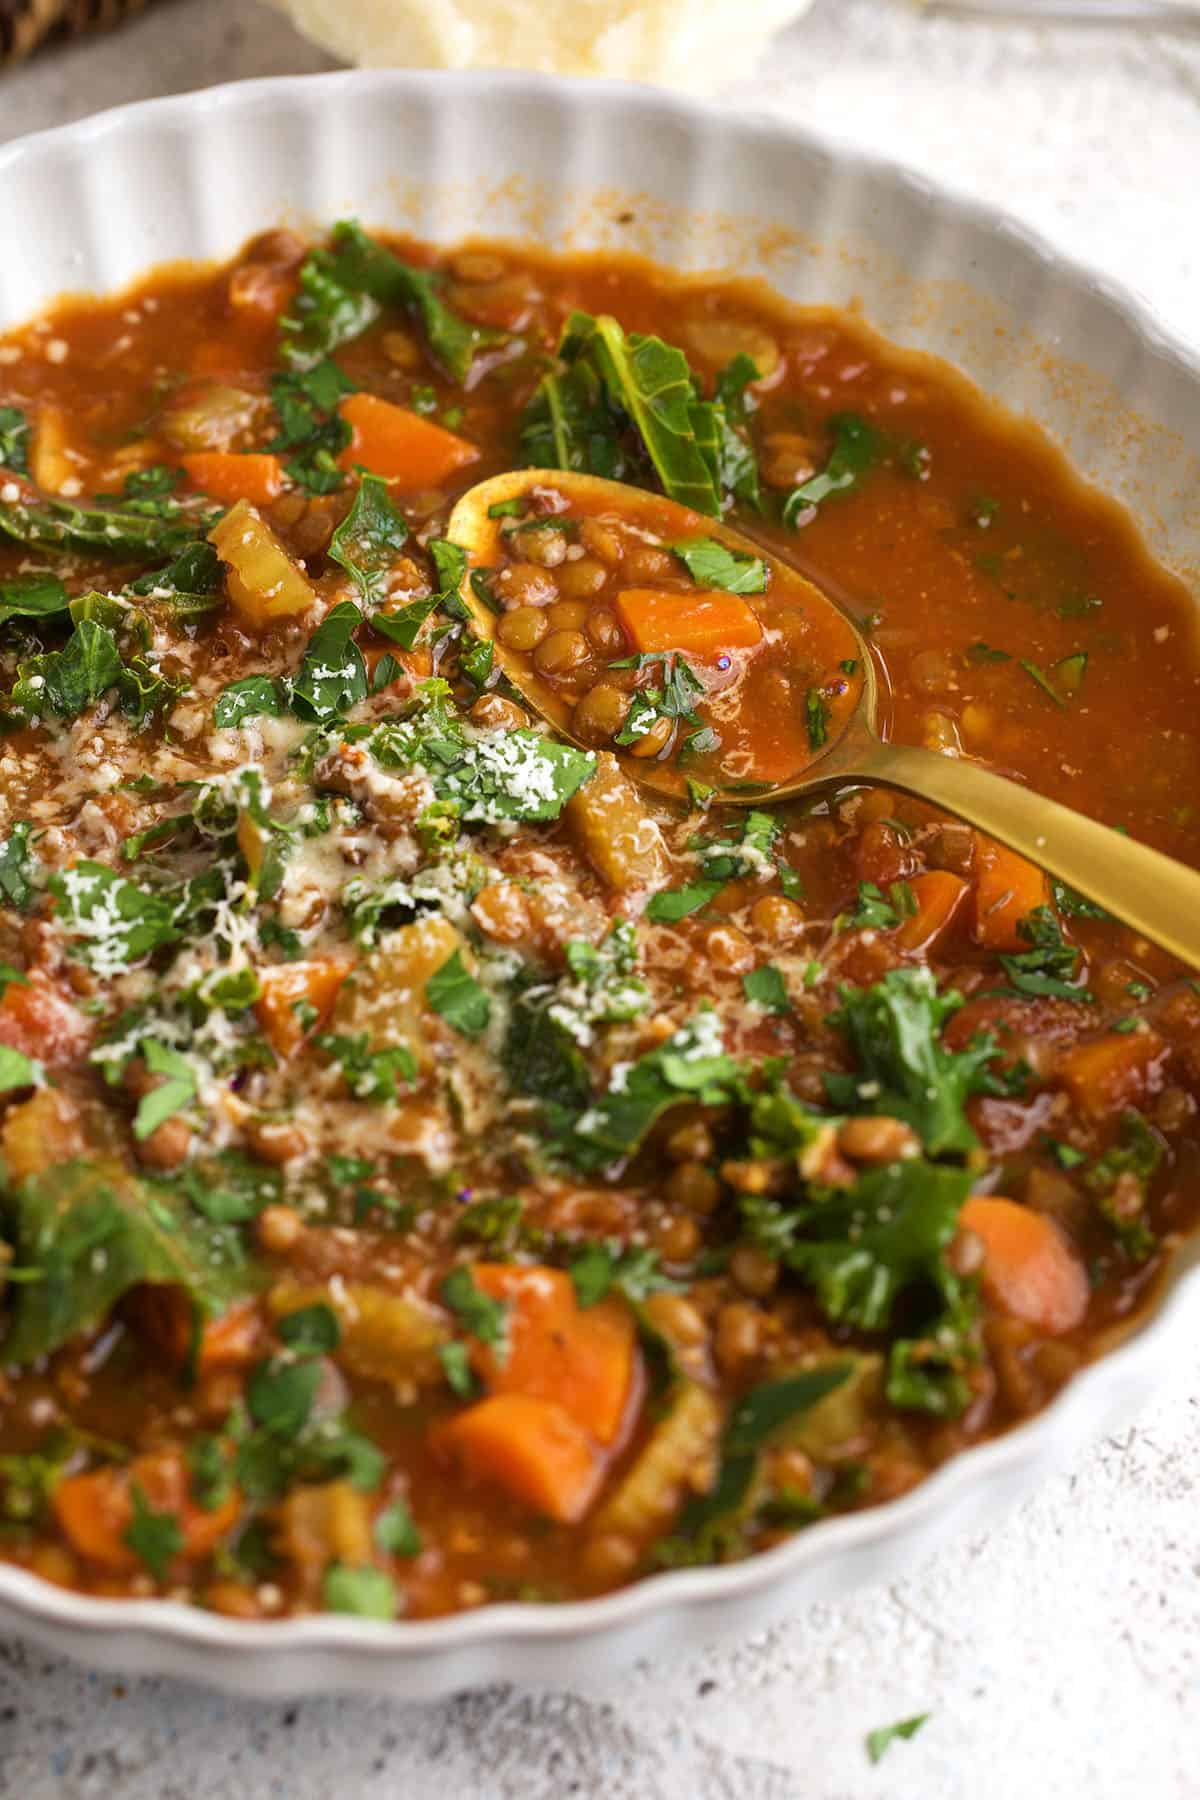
(1060,1654)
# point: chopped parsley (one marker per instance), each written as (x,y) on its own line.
(599,1269)
(14,440)
(369,539)
(876,911)
(453,992)
(857,447)
(367,1592)
(306,401)
(884,1736)
(155,1537)
(817,715)
(17,866)
(691,1065)
(1050,965)
(373,1075)
(395,1532)
(332,677)
(311,1330)
(766,987)
(477,1312)
(673,696)
(904,1069)
(255,696)
(176,1089)
(710,564)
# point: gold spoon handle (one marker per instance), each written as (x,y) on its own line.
(1144,889)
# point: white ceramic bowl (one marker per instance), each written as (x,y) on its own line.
(575,166)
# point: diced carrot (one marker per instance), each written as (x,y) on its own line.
(400,445)
(531,1447)
(95,1510)
(939,896)
(580,1357)
(232,1340)
(702,622)
(227,476)
(1007,890)
(1109,1073)
(1029,1269)
(303,985)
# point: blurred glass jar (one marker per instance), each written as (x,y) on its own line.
(693,44)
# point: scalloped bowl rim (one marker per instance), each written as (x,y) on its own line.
(132,1634)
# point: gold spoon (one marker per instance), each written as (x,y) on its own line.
(1152,893)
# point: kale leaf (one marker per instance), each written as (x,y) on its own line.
(189,586)
(649,383)
(17,866)
(453,992)
(569,424)
(324,314)
(116,922)
(360,267)
(65,682)
(711,1525)
(57,525)
(32,597)
(711,565)
(310,426)
(368,540)
(254,697)
(93,1231)
(1050,965)
(332,676)
(542,1061)
(14,440)
(904,1070)
(690,1066)
(861,1247)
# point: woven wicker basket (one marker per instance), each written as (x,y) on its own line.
(24,24)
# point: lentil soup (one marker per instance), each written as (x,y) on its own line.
(434,1170)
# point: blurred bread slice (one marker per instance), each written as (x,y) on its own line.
(697,44)
(24,24)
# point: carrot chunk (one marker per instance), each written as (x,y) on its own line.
(229,477)
(530,1447)
(1029,1269)
(300,986)
(95,1510)
(939,897)
(582,1358)
(702,623)
(1108,1074)
(400,445)
(40,1021)
(1007,890)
